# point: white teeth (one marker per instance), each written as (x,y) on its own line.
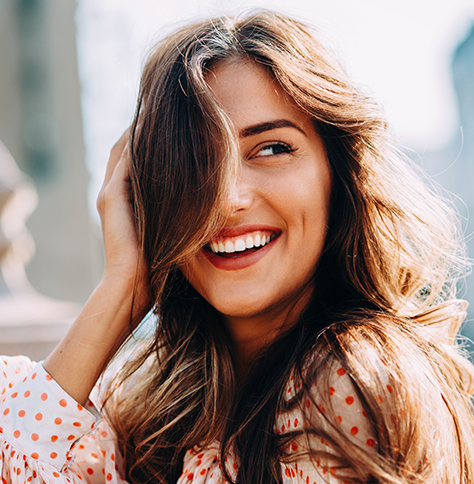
(239,245)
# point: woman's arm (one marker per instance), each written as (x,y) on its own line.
(106,319)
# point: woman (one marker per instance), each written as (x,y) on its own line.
(303,282)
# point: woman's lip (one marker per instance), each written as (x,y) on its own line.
(245,229)
(242,260)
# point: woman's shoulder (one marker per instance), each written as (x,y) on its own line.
(325,397)
(118,378)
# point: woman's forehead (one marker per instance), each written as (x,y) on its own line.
(250,95)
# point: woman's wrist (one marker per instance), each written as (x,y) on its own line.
(102,326)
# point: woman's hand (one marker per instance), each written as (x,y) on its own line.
(124,263)
(121,299)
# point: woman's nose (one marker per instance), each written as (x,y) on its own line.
(238,196)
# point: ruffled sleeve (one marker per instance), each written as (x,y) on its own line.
(46,436)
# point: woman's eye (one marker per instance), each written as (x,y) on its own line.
(273,149)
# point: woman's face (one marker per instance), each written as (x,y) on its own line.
(261,264)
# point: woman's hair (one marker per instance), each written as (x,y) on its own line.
(385,282)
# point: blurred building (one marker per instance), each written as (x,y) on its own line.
(40,124)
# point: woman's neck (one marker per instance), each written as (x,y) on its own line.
(250,335)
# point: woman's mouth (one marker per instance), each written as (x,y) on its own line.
(241,245)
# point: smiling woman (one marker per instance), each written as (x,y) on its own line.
(302,277)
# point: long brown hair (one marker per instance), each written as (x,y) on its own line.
(389,269)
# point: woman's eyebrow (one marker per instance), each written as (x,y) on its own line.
(268,126)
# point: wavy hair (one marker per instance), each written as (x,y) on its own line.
(389,270)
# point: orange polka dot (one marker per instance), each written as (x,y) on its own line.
(389,388)
(331,391)
(33,376)
(104,433)
(94,455)
(48,378)
(54,438)
(112,457)
(308,403)
(53,455)
(350,400)
(203,472)
(16,434)
(44,396)
(90,471)
(55,474)
(296,422)
(339,418)
(109,477)
(27,394)
(58,421)
(14,395)
(18,471)
(287,472)
(62,402)
(21,413)
(80,407)
(77,424)
(6,411)
(190,476)
(380,398)
(363,413)
(39,416)
(34,437)
(354,430)
(71,437)
(341,371)
(294,446)
(29,479)
(370,442)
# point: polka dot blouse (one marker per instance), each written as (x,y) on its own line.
(47,437)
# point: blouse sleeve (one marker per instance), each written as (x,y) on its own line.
(349,416)
(46,436)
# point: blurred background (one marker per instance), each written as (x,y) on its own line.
(69,73)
